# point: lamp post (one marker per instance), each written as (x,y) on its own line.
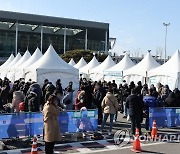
(166,25)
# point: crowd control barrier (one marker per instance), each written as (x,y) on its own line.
(165,117)
(30,124)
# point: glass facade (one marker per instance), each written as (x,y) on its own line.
(32,40)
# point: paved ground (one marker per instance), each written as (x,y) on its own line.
(107,145)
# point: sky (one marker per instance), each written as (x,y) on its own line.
(136,24)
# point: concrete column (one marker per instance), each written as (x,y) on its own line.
(86,41)
(16,42)
(41,38)
(64,40)
(106,35)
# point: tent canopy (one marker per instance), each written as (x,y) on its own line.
(24,58)
(19,72)
(170,68)
(107,63)
(81,63)
(92,64)
(10,59)
(36,56)
(16,59)
(96,73)
(124,64)
(51,66)
(71,62)
(146,64)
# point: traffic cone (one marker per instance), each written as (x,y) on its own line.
(34,146)
(136,143)
(154,130)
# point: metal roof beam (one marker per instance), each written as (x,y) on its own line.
(34,27)
(11,25)
(56,29)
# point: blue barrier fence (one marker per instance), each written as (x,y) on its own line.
(30,124)
(165,117)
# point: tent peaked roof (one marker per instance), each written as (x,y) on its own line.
(124,64)
(107,63)
(71,62)
(170,68)
(92,64)
(146,64)
(24,58)
(36,56)
(81,63)
(16,59)
(10,59)
(51,60)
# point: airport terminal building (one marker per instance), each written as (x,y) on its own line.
(19,31)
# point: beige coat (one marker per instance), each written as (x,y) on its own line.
(51,124)
(110,104)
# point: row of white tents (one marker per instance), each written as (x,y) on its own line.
(39,67)
(147,70)
(50,66)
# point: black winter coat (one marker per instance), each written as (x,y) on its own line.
(135,106)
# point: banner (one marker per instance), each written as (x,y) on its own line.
(30,124)
(165,117)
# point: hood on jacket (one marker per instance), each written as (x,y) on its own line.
(81,94)
(109,95)
(171,95)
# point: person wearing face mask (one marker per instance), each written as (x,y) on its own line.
(80,100)
(99,94)
(51,133)
(59,96)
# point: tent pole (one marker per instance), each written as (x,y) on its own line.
(146,78)
(122,77)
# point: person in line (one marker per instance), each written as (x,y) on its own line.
(51,132)
(135,109)
(149,101)
(33,104)
(98,97)
(59,86)
(59,96)
(110,106)
(68,98)
(18,97)
(80,100)
(125,94)
(171,100)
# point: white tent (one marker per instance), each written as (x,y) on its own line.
(81,63)
(116,72)
(16,59)
(19,71)
(24,58)
(92,64)
(10,59)
(7,67)
(11,70)
(50,66)
(167,73)
(139,71)
(96,73)
(71,62)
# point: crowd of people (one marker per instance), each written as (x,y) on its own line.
(132,100)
